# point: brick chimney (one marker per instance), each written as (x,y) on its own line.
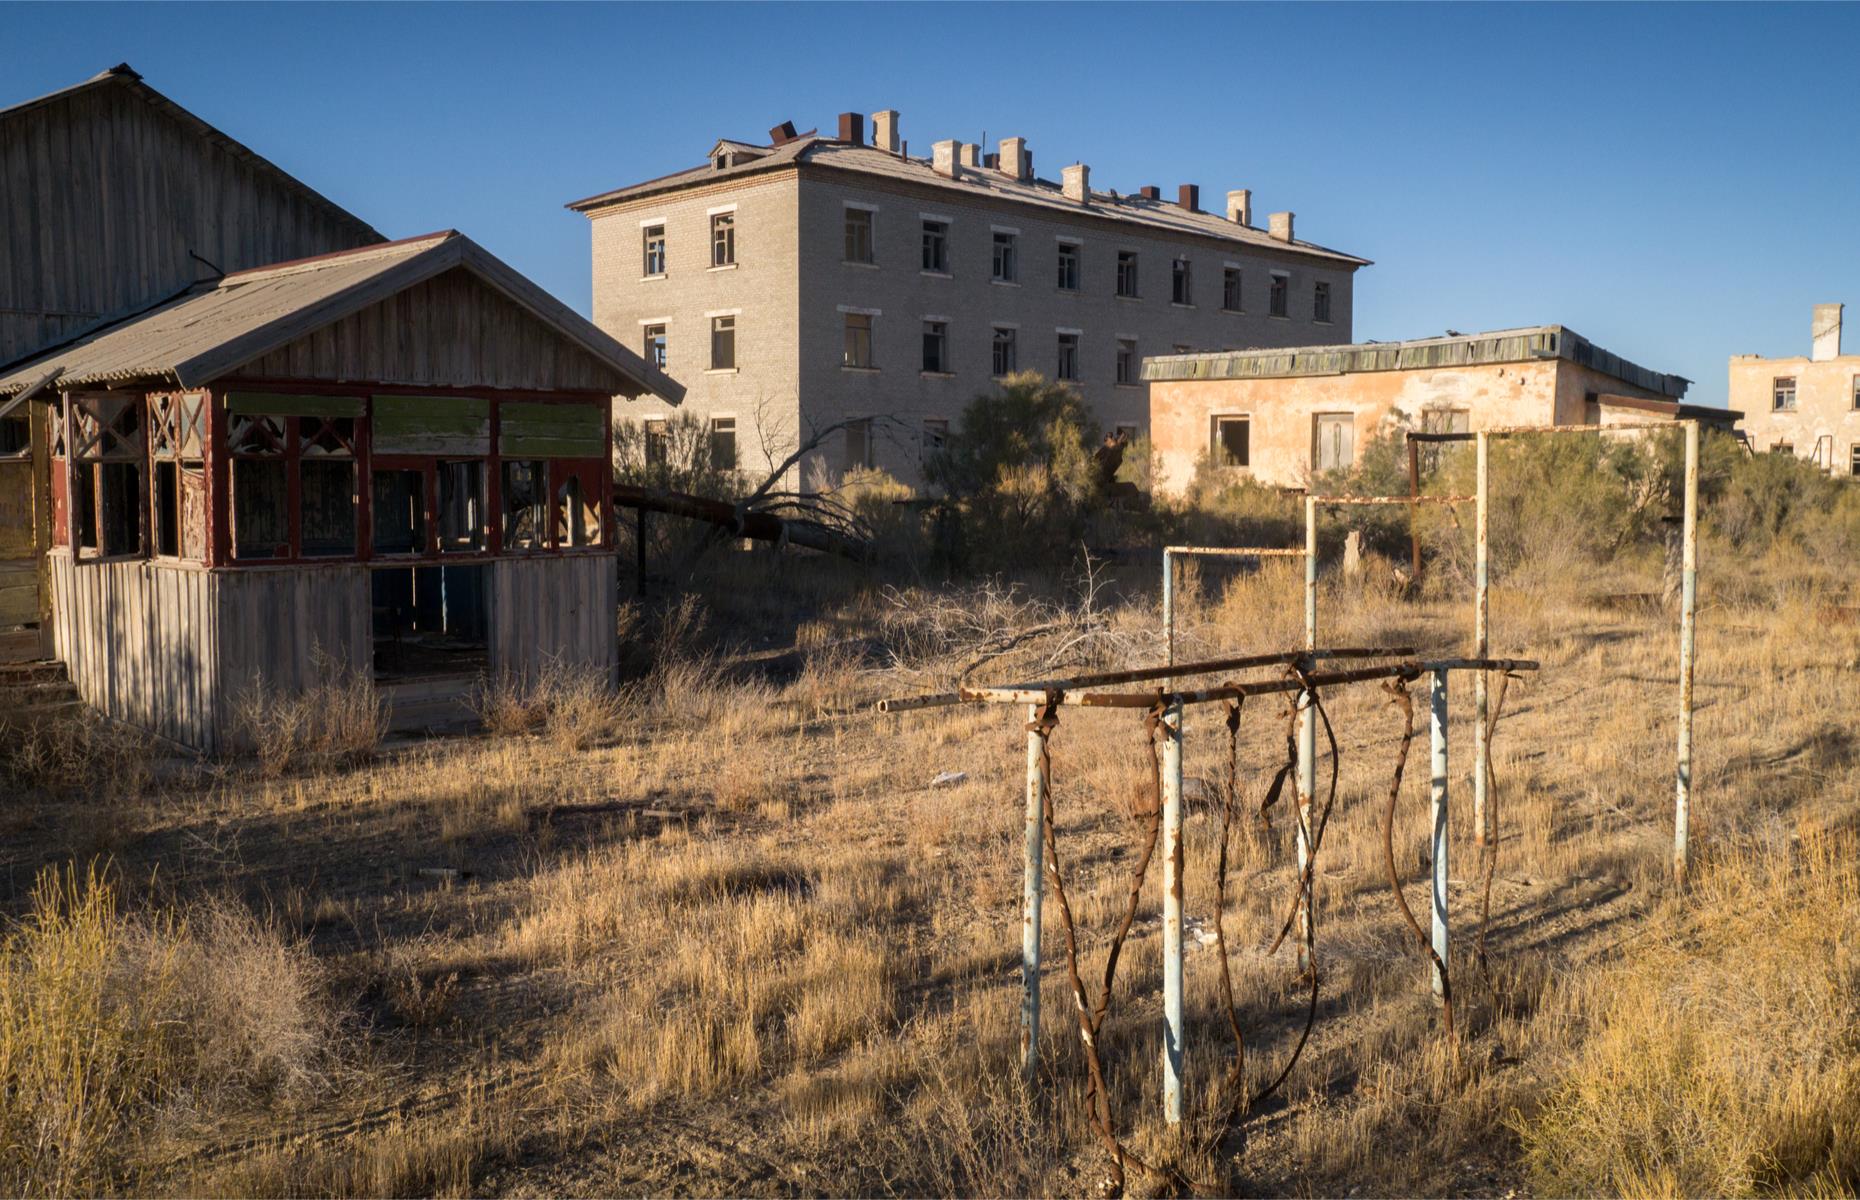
(852,128)
(1016,159)
(943,158)
(1240,206)
(1280,226)
(1825,333)
(1152,192)
(970,155)
(1188,197)
(1075,182)
(885,130)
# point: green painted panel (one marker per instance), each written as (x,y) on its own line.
(552,430)
(278,404)
(432,425)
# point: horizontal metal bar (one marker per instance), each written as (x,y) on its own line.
(1237,551)
(1342,500)
(1623,427)
(1441,437)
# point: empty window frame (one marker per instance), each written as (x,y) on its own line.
(107,480)
(1066,365)
(657,441)
(15,434)
(859,235)
(1333,444)
(1005,350)
(177,500)
(1230,441)
(1782,447)
(935,436)
(936,348)
(1230,290)
(1069,267)
(525,495)
(260,510)
(1320,302)
(577,520)
(328,505)
(653,239)
(858,445)
(1857,392)
(1182,282)
(397,502)
(1782,394)
(723,239)
(723,343)
(656,345)
(936,247)
(723,443)
(461,505)
(1127,274)
(1007,257)
(1126,360)
(1280,299)
(857,348)
(1853,460)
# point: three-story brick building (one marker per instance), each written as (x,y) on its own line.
(818,280)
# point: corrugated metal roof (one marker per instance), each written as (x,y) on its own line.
(836,155)
(1457,350)
(215,328)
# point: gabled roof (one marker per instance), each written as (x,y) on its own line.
(124,76)
(216,328)
(1455,350)
(832,154)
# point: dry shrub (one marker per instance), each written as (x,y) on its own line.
(107,1017)
(339,720)
(1724,1057)
(75,753)
(574,707)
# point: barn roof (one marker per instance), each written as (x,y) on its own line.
(1455,350)
(215,328)
(980,182)
(124,76)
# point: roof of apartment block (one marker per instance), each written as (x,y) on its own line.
(1161,216)
(1455,350)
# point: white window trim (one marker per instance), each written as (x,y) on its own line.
(655,320)
(1068,239)
(719,210)
(853,310)
(1228,264)
(1004,229)
(651,221)
(724,312)
(934,317)
(935,217)
(1066,329)
(1276,272)
(860,205)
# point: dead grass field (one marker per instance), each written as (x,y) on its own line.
(724,938)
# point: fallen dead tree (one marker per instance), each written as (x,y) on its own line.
(815,522)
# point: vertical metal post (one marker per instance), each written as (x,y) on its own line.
(1481,639)
(1688,612)
(639,540)
(1033,886)
(1307,739)
(1438,727)
(1414,510)
(1172,912)
(1168,602)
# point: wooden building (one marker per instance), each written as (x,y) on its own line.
(387,458)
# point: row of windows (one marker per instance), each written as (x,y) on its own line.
(1782,393)
(1333,440)
(858,450)
(1068,273)
(1853,452)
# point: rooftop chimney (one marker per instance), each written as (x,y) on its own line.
(1016,160)
(943,158)
(1076,183)
(970,155)
(782,134)
(885,130)
(1825,333)
(1280,226)
(1240,206)
(852,128)
(992,161)
(1188,197)
(1151,192)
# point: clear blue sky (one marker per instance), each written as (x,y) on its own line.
(1679,183)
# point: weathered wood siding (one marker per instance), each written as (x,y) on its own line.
(547,609)
(451,331)
(289,628)
(106,196)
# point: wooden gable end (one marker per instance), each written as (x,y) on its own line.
(109,201)
(451,331)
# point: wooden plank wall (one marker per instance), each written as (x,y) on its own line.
(105,196)
(454,331)
(553,607)
(288,627)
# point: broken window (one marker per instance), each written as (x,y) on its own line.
(1182,282)
(260,486)
(723,240)
(1006,350)
(655,345)
(723,443)
(1007,255)
(177,500)
(399,506)
(15,434)
(1232,436)
(656,441)
(1068,365)
(858,348)
(1782,394)
(936,340)
(1279,300)
(1320,302)
(526,501)
(107,473)
(858,445)
(577,523)
(327,479)
(430,620)
(1068,267)
(858,235)
(1126,360)
(167,509)
(461,506)
(1230,290)
(1127,274)
(936,247)
(654,236)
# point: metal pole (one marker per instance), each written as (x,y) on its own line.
(1168,601)
(639,547)
(1172,913)
(1438,728)
(1414,489)
(1481,606)
(1307,742)
(1688,612)
(1032,889)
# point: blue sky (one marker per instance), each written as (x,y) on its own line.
(1678,183)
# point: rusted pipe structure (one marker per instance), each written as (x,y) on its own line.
(1038,696)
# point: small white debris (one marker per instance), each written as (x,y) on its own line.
(949,778)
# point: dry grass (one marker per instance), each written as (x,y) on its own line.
(736,943)
(570,707)
(338,721)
